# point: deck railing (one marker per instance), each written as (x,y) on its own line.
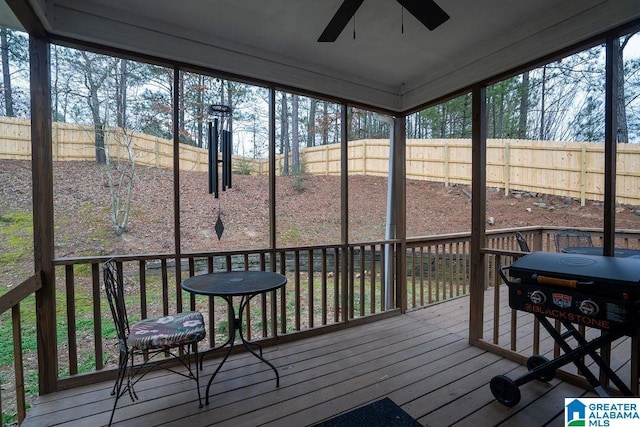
(328,287)
(12,301)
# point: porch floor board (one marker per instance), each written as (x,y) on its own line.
(421,360)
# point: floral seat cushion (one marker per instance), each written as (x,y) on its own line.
(166,332)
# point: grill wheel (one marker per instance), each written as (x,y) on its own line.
(505,390)
(545,375)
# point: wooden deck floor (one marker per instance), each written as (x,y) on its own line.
(421,360)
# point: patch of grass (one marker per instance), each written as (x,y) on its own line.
(291,236)
(16,234)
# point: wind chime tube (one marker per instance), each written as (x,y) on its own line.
(215,159)
(223,150)
(229,159)
(210,157)
(226,159)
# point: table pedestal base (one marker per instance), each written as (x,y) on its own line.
(237,326)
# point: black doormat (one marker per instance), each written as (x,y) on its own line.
(383,413)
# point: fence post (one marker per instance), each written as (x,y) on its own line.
(446,163)
(364,157)
(326,158)
(583,175)
(507,172)
(56,140)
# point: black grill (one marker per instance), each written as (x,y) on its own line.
(595,291)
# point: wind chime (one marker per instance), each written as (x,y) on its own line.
(219,135)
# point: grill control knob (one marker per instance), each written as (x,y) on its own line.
(538,297)
(589,307)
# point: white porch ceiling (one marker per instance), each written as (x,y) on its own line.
(276,40)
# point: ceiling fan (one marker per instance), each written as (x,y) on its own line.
(426,11)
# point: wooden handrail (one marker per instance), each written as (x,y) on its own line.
(14,296)
(11,301)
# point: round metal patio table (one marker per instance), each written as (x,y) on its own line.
(227,285)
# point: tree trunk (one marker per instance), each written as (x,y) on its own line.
(284,135)
(200,113)
(311,124)
(101,156)
(621,110)
(121,95)
(524,106)
(229,103)
(6,75)
(181,124)
(542,101)
(325,123)
(295,143)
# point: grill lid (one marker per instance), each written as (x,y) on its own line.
(597,268)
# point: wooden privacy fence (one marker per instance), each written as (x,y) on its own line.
(569,169)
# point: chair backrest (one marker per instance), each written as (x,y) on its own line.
(570,237)
(524,246)
(114,288)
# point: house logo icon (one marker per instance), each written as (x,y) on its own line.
(575,413)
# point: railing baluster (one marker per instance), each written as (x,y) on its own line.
(448,255)
(496,307)
(310,284)
(324,289)
(383,283)
(351,283)
(430,275)
(336,286)
(411,296)
(361,272)
(372,276)
(297,301)
(17,362)
(142,269)
(283,295)
(97,315)
(192,272)
(71,320)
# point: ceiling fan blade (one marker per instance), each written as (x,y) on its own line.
(426,11)
(339,21)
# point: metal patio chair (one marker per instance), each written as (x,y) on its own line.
(176,335)
(570,237)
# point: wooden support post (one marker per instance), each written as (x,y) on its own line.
(610,142)
(478,212)
(42,176)
(344,201)
(176,184)
(272,177)
(400,202)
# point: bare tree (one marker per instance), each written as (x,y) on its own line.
(621,111)
(120,168)
(97,70)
